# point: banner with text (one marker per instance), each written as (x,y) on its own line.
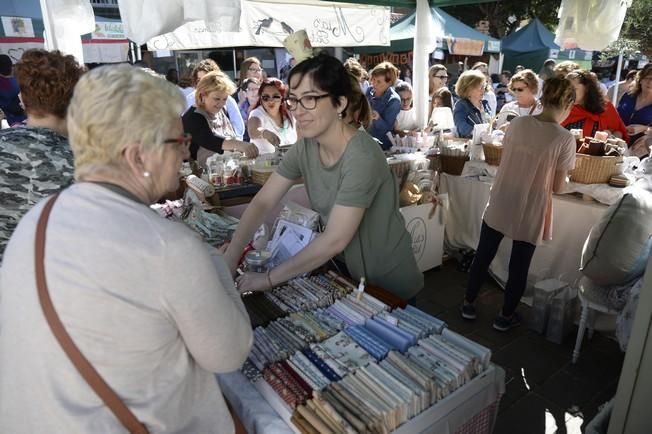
(108,30)
(369,60)
(268,24)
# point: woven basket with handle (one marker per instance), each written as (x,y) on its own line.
(590,169)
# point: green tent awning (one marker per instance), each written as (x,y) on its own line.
(401,34)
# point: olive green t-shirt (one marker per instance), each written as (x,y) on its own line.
(381,249)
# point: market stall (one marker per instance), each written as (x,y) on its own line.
(336,340)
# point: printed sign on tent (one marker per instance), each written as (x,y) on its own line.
(18,27)
(108,30)
(268,24)
(465,47)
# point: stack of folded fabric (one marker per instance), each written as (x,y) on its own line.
(341,361)
(342,354)
(283,337)
(298,295)
(379,397)
(370,342)
(357,308)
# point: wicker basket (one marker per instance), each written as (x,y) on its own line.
(591,169)
(492,154)
(261,176)
(399,168)
(453,164)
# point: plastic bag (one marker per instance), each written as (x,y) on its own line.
(300,215)
(562,313)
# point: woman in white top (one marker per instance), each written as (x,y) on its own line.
(525,87)
(406,121)
(270,124)
(141,297)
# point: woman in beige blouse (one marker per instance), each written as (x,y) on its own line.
(537,155)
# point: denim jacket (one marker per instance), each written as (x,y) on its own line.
(388,105)
(466,115)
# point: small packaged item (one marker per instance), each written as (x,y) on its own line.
(256,260)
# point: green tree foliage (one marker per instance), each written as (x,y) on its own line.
(504,16)
(638,24)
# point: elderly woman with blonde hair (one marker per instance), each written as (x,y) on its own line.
(140,296)
(470,109)
(208,122)
(525,87)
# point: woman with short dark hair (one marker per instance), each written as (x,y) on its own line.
(348,182)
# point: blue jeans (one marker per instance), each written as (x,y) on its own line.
(519,265)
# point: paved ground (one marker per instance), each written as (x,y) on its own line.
(543,388)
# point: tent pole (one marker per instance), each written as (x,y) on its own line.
(614,97)
(235,68)
(51,42)
(422,45)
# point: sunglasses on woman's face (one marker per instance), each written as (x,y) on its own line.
(268,98)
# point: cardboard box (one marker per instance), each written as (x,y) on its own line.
(427,233)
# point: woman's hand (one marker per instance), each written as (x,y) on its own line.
(375,115)
(634,129)
(252,282)
(248,149)
(271,137)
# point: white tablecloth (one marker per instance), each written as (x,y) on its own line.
(560,257)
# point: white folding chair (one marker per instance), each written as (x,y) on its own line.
(593,298)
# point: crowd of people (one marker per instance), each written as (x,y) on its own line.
(113,267)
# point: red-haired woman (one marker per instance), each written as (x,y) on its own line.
(270,123)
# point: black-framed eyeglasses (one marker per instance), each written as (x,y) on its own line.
(441,77)
(406,100)
(308,102)
(183,140)
(267,98)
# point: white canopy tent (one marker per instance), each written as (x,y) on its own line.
(255,23)
(268,22)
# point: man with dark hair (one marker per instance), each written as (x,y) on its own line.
(9,90)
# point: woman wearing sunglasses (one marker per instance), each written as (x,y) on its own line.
(270,123)
(349,184)
(524,86)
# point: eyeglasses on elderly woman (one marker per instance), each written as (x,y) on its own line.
(183,140)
